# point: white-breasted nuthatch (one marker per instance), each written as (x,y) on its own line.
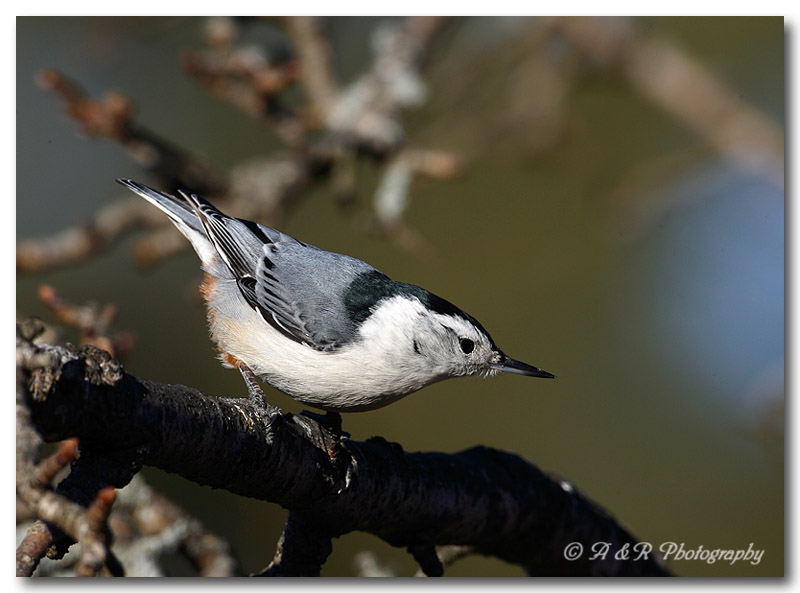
(327,329)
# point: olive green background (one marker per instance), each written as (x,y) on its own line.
(667,343)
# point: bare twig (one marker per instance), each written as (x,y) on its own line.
(368,108)
(95,543)
(32,490)
(149,525)
(314,53)
(392,194)
(33,548)
(363,119)
(113,118)
(252,81)
(146,527)
(48,469)
(80,243)
(79,511)
(94,323)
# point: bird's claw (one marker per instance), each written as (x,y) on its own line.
(255,394)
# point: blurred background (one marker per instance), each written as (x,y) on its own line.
(610,205)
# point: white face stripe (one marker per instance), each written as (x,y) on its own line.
(402,312)
(390,313)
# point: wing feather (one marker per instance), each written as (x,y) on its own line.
(250,265)
(295,288)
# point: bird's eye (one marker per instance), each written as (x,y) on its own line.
(467,345)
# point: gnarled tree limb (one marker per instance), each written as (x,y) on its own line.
(496,502)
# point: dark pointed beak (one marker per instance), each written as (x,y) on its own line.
(509,365)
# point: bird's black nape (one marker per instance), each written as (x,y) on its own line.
(371,287)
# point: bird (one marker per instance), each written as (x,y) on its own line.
(327,329)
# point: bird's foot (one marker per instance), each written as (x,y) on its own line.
(255,394)
(330,420)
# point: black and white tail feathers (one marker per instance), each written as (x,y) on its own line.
(179,211)
(182,215)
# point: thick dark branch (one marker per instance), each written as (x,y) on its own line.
(496,502)
(302,549)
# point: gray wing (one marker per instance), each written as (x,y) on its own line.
(304,289)
(296,288)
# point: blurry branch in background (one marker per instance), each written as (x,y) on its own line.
(314,52)
(392,194)
(339,125)
(671,79)
(336,127)
(249,77)
(493,502)
(546,61)
(112,118)
(81,243)
(93,323)
(676,82)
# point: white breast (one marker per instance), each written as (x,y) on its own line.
(355,377)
